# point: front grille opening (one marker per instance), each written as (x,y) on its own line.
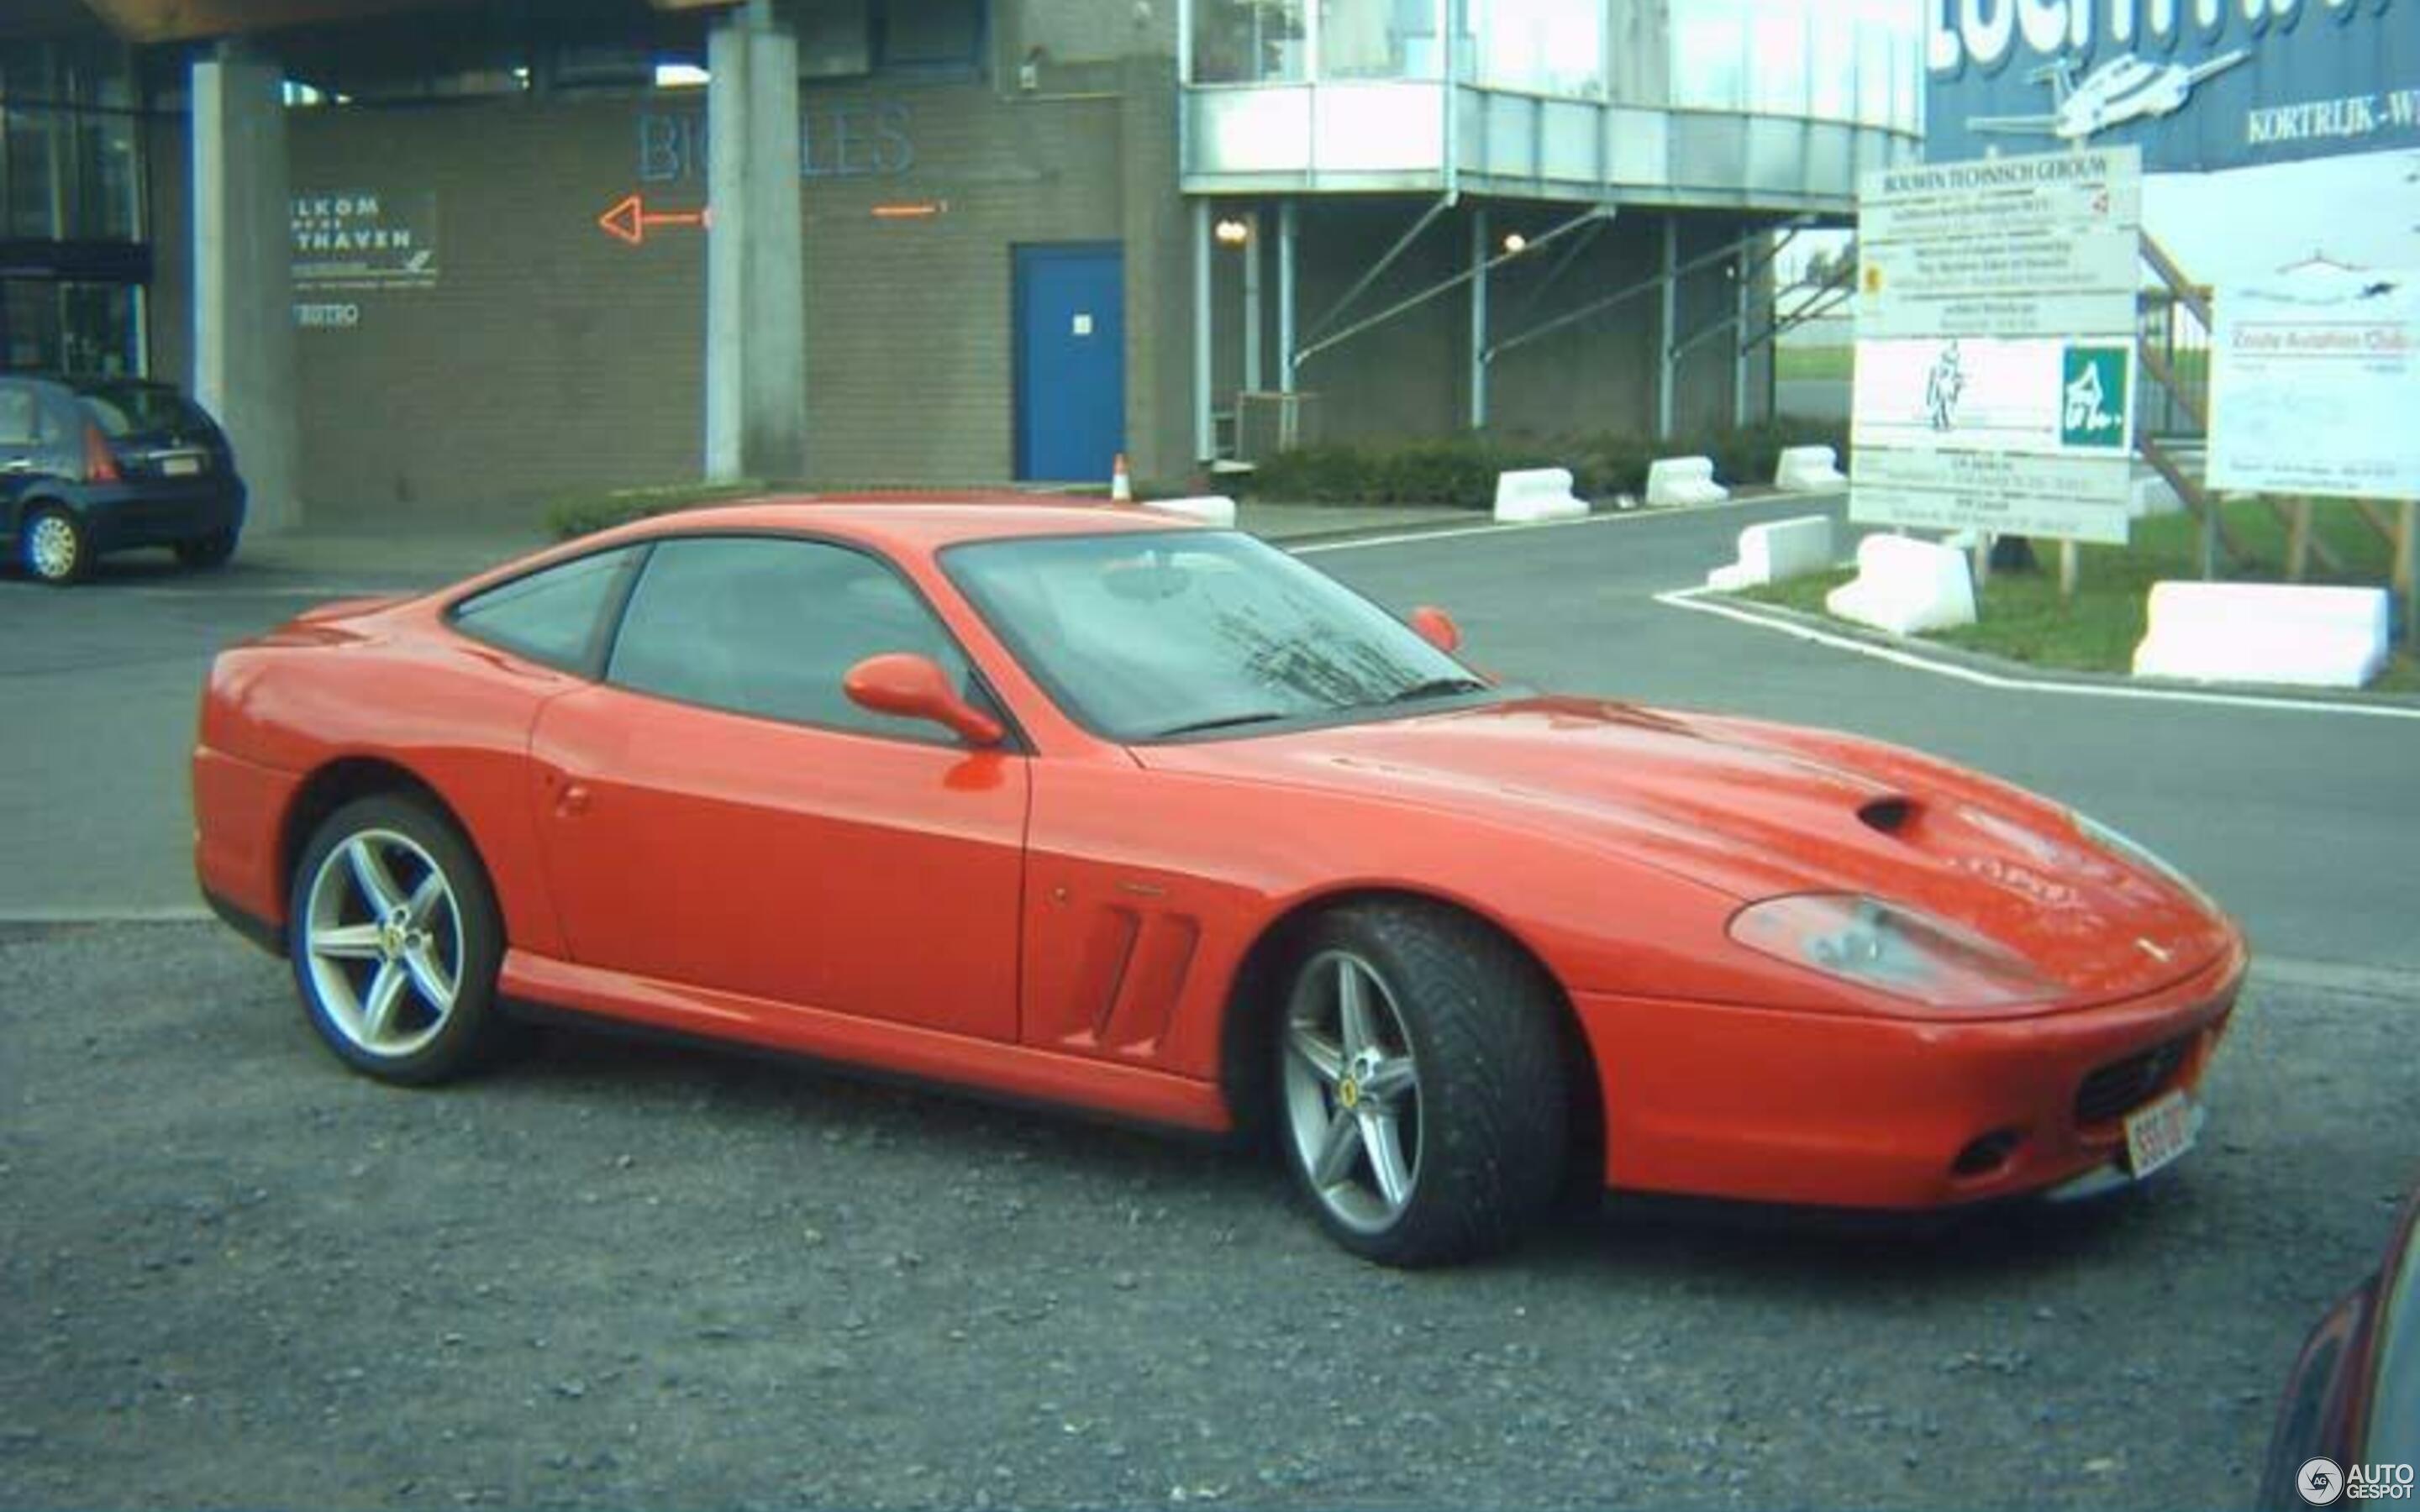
(2120,1086)
(1987,1154)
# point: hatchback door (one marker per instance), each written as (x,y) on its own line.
(153,431)
(22,445)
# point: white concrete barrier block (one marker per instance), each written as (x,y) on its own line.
(2264,633)
(1211,509)
(1906,587)
(1775,552)
(1683,480)
(1808,469)
(1537,493)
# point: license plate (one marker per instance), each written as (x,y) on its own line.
(179,467)
(2158,1132)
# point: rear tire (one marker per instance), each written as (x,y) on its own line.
(1420,1093)
(395,942)
(54,545)
(204,552)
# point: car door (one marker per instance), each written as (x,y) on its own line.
(21,446)
(719,815)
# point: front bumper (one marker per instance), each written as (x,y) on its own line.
(1833,1110)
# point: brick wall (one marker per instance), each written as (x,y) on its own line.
(544,355)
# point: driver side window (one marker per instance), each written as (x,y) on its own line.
(770,627)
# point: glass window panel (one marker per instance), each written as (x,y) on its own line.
(772,627)
(555,616)
(1247,41)
(1778,44)
(1832,72)
(1709,47)
(1552,47)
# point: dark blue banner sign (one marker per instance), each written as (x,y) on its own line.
(2198,85)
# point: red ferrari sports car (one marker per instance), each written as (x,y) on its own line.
(1096,806)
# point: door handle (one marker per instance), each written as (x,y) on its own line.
(573,801)
(19,464)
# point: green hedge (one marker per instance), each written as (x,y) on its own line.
(583,514)
(1462,471)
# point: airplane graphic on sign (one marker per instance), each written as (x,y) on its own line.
(2123,89)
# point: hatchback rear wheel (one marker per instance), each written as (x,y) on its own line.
(205,551)
(54,546)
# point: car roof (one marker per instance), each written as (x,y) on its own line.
(923,523)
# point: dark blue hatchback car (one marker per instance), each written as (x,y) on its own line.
(94,465)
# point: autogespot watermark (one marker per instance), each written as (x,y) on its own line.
(2323,1483)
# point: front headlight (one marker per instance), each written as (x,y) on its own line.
(1891,950)
(2126,848)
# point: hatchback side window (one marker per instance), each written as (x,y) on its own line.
(21,414)
(556,615)
(768,626)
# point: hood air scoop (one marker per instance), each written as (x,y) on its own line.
(1888,814)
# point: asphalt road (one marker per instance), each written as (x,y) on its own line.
(617,1275)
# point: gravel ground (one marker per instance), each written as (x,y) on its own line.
(623,1274)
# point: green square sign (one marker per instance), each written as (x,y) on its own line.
(2093,395)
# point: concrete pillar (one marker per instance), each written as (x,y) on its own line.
(756,283)
(1165,268)
(243,273)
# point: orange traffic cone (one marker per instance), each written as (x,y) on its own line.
(1121,484)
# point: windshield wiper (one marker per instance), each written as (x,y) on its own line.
(1224,721)
(1436,687)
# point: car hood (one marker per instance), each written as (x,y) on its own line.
(1759,811)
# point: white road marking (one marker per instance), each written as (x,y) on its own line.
(1626,517)
(136,914)
(1695,599)
(265,591)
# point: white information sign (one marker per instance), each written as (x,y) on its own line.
(2042,245)
(1996,346)
(2315,384)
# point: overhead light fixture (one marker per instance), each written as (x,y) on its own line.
(1232,231)
(921,209)
(1514,243)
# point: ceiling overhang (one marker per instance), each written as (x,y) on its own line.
(178,21)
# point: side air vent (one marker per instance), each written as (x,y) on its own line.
(1888,815)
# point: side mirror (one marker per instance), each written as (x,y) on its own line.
(1436,626)
(914,688)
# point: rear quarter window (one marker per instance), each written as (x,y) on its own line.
(132,409)
(557,615)
(21,414)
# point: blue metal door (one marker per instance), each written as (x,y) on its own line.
(1071,361)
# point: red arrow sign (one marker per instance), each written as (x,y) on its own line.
(629,217)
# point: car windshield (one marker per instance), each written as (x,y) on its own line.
(142,409)
(1144,637)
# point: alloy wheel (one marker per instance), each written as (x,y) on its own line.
(383,943)
(1352,1091)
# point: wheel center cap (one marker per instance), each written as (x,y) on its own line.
(392,937)
(1348,1092)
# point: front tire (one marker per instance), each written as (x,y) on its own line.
(204,552)
(54,545)
(1420,1094)
(395,942)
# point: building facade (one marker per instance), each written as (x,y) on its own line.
(457,259)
